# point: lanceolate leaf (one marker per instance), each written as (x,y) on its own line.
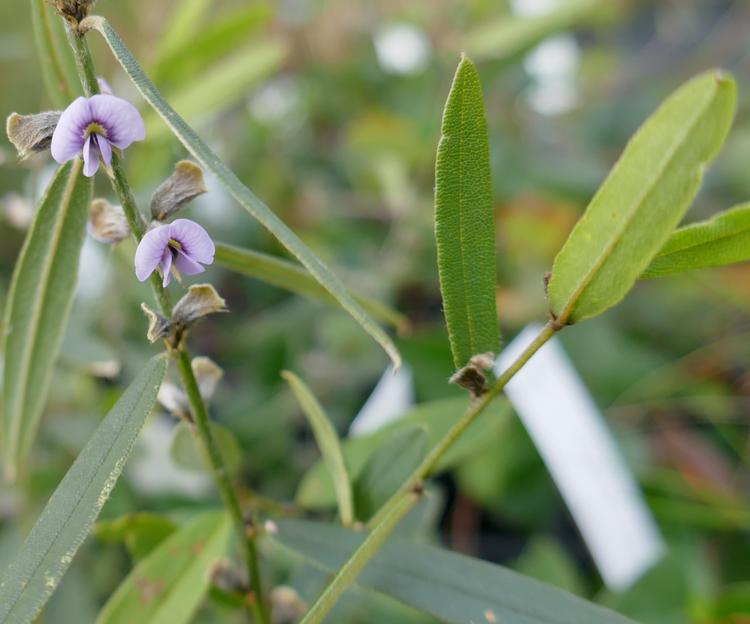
(168,586)
(38,306)
(642,200)
(464,221)
(244,196)
(295,278)
(53,542)
(59,88)
(328,442)
(723,239)
(451,587)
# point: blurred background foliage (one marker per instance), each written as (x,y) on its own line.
(330,111)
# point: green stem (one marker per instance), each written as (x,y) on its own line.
(359,558)
(87,74)
(223,482)
(396,507)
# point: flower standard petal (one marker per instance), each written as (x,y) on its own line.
(119,118)
(68,138)
(194,240)
(150,251)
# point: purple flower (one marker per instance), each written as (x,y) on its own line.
(182,243)
(91,126)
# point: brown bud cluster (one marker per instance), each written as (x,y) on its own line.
(73,10)
(473,377)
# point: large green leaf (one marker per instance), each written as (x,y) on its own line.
(77,501)
(296,279)
(464,220)
(723,239)
(186,18)
(328,443)
(642,200)
(451,587)
(509,36)
(168,586)
(244,196)
(38,307)
(316,488)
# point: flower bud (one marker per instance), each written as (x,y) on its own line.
(185,184)
(31,133)
(472,376)
(207,376)
(158,325)
(107,223)
(73,10)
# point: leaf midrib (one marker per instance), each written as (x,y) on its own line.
(648,190)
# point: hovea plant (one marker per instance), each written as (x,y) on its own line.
(628,232)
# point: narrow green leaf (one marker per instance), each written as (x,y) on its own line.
(225,84)
(388,467)
(451,587)
(328,442)
(723,239)
(244,196)
(38,307)
(316,488)
(509,36)
(464,220)
(295,278)
(77,501)
(187,17)
(191,455)
(55,79)
(642,200)
(168,586)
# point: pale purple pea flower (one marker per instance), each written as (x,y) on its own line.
(92,126)
(182,243)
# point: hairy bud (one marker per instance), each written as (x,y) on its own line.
(31,133)
(107,223)
(472,376)
(73,10)
(185,184)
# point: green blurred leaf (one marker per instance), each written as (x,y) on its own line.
(720,240)
(642,200)
(141,532)
(38,307)
(210,42)
(246,198)
(509,36)
(546,560)
(168,586)
(77,501)
(388,467)
(328,443)
(224,85)
(187,17)
(187,453)
(451,587)
(316,490)
(296,279)
(52,55)
(464,220)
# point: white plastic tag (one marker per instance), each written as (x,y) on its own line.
(393,395)
(584,461)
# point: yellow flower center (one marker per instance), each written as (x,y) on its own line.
(94,128)
(174,244)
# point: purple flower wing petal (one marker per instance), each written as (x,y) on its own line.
(90,157)
(67,139)
(120,118)
(150,251)
(195,241)
(106,150)
(166,267)
(185,264)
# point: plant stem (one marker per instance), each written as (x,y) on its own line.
(120,184)
(223,482)
(396,507)
(359,558)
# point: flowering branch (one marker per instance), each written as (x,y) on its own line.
(120,184)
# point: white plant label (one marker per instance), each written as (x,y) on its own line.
(584,461)
(390,399)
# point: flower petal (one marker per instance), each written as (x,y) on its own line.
(90,157)
(194,240)
(68,138)
(150,250)
(185,264)
(106,150)
(166,266)
(119,118)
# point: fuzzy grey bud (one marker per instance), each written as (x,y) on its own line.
(185,184)
(158,325)
(107,223)
(472,377)
(31,134)
(200,300)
